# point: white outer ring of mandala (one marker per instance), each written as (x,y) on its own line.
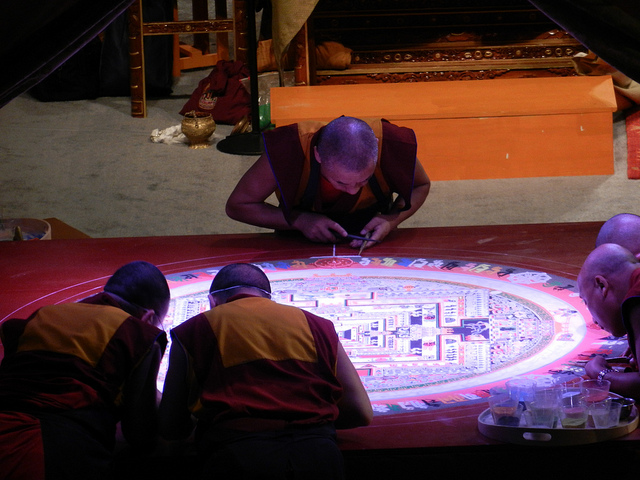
(549,353)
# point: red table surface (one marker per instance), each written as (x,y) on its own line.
(36,273)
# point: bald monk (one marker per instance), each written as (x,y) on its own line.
(609,284)
(623,229)
(267,384)
(346,177)
(72,371)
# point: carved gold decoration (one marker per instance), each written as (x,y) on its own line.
(196,26)
(452,53)
(438,76)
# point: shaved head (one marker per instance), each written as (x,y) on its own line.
(141,284)
(238,277)
(607,260)
(622,229)
(604,282)
(348,142)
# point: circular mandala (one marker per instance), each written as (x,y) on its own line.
(424,331)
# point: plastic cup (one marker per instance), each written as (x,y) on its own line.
(521,389)
(542,414)
(626,406)
(543,381)
(571,386)
(573,412)
(595,390)
(614,414)
(505,410)
(549,395)
(600,413)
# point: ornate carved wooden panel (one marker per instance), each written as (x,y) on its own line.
(421,40)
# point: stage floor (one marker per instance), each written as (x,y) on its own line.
(37,273)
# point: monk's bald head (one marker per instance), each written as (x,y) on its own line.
(349,143)
(622,229)
(604,282)
(608,260)
(239,277)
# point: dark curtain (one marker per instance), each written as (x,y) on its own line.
(609,28)
(158,54)
(36,37)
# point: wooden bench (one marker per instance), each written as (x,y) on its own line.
(479,129)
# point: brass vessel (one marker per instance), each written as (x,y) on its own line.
(198,127)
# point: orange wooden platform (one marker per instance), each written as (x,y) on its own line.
(480,129)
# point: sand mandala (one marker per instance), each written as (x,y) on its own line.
(426,333)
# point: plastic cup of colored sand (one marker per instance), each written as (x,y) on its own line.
(574,412)
(505,410)
(595,390)
(542,414)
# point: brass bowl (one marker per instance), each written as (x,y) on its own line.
(198,127)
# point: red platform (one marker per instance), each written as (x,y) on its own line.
(36,273)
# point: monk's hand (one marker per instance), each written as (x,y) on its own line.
(377,229)
(318,228)
(595,366)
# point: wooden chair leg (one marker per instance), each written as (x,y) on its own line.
(241,29)
(222,39)
(301,44)
(136,61)
(176,70)
(200,11)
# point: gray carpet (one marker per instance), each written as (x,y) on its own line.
(93,166)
